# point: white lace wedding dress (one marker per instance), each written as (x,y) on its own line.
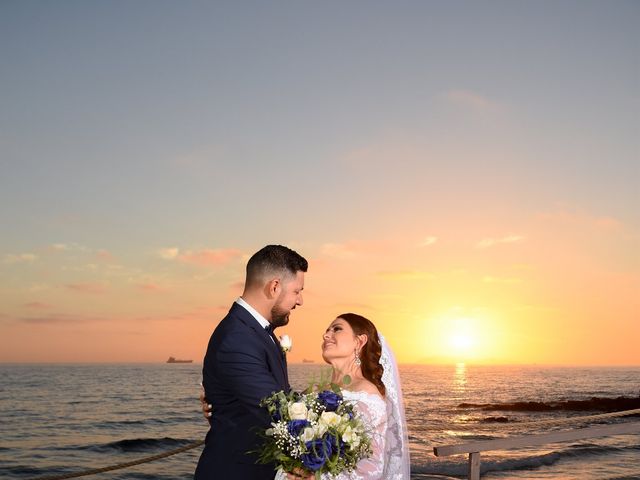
(383,463)
(372,409)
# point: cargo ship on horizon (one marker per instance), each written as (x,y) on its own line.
(176,360)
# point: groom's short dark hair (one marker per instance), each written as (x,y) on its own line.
(273,259)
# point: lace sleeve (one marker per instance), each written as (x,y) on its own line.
(372,410)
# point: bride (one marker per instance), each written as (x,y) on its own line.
(353,347)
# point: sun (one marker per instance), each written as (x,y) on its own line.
(461,338)
(461,342)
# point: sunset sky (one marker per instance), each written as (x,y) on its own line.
(465,174)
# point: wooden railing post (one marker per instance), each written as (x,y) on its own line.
(474,466)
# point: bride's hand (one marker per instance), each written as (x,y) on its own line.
(299,474)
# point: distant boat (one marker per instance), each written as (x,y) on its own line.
(176,360)
(306,360)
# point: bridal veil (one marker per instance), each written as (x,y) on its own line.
(397,464)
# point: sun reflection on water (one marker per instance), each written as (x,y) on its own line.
(460,377)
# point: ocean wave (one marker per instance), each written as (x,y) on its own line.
(594,404)
(114,424)
(494,420)
(21,470)
(582,450)
(459,468)
(138,445)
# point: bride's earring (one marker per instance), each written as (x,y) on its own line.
(357,361)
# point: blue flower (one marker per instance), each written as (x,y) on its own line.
(330,400)
(318,452)
(295,427)
(275,415)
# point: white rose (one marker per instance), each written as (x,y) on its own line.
(330,419)
(351,438)
(312,416)
(320,429)
(286,343)
(308,434)
(298,411)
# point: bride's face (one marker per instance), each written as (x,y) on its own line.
(338,341)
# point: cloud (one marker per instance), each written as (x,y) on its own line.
(47,320)
(58,319)
(92,288)
(152,288)
(338,250)
(209,257)
(428,241)
(501,280)
(353,306)
(20,258)
(204,257)
(202,313)
(406,275)
(168,253)
(37,305)
(352,249)
(470,100)
(582,218)
(105,255)
(491,242)
(67,247)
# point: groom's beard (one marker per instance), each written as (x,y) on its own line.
(279,316)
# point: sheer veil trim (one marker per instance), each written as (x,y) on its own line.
(397,464)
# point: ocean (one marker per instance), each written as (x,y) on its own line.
(57,419)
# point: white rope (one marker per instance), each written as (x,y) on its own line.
(118,466)
(559,421)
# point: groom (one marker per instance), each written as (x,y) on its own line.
(244,363)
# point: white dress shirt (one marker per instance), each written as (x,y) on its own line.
(264,323)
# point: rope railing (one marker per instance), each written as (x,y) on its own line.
(119,466)
(474,449)
(558,421)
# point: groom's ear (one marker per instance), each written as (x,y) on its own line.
(272,288)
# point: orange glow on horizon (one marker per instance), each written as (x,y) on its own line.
(492,301)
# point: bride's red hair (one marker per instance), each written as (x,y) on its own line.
(371,352)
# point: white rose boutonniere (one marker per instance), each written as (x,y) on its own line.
(285,343)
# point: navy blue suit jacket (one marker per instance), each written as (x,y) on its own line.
(241,367)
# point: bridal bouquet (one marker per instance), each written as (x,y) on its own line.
(317,431)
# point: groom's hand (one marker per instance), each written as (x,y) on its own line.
(206,406)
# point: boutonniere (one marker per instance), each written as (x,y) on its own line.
(285,343)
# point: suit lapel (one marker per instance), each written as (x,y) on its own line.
(278,353)
(273,350)
(283,358)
